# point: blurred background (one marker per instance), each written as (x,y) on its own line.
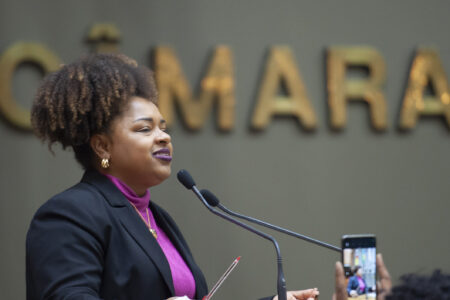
(323,183)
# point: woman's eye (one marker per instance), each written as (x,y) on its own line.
(144,129)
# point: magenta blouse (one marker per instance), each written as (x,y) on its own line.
(183,280)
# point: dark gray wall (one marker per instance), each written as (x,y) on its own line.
(323,184)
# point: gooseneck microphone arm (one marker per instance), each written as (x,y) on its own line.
(185,178)
(213,201)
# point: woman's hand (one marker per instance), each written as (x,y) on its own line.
(310,294)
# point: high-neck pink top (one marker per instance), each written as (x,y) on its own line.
(183,280)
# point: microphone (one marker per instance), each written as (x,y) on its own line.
(186,179)
(214,202)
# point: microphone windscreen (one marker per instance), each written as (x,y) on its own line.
(186,179)
(210,198)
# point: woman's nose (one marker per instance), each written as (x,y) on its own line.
(163,137)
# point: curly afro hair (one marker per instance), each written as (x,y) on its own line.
(434,287)
(82,98)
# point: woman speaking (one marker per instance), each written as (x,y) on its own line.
(104,238)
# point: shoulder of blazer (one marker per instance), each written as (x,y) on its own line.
(79,211)
(85,203)
(91,192)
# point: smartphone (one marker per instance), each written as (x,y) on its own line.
(359,260)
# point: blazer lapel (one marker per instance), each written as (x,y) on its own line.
(200,282)
(132,223)
(140,233)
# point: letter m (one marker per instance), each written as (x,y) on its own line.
(217,85)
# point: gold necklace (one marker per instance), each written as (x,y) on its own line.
(152,231)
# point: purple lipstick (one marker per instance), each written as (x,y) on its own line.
(162,154)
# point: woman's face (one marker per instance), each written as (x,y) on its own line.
(140,150)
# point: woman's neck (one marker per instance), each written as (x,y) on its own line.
(137,189)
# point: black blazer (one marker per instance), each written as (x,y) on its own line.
(88,243)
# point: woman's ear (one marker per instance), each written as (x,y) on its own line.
(101,145)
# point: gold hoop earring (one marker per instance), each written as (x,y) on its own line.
(105,163)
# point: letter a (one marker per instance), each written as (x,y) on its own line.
(281,67)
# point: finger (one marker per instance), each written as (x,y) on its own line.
(380,291)
(289,296)
(382,270)
(305,294)
(340,289)
(385,278)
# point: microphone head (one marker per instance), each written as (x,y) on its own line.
(186,179)
(210,198)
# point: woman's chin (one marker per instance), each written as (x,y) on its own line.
(160,176)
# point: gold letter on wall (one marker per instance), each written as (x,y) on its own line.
(426,68)
(217,84)
(282,68)
(9,61)
(340,89)
(104,37)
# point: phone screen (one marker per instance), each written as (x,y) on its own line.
(359,260)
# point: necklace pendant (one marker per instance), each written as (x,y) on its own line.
(153,232)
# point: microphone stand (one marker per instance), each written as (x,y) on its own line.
(280,229)
(214,201)
(281,282)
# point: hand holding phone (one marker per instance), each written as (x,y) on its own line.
(359,261)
